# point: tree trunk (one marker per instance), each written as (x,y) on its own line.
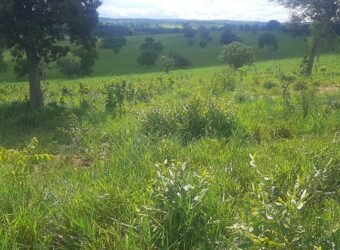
(36,98)
(310,64)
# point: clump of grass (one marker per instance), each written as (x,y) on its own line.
(196,118)
(178,216)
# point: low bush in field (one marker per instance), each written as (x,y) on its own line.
(197,118)
(178,215)
(279,215)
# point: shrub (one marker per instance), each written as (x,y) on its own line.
(225,81)
(269,85)
(195,119)
(268,39)
(229,37)
(69,66)
(178,216)
(237,55)
(180,61)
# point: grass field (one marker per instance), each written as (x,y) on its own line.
(207,158)
(125,62)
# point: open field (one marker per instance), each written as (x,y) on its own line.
(125,62)
(207,158)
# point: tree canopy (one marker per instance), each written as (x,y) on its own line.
(237,55)
(33,29)
(325,15)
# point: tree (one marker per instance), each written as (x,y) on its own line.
(148,57)
(324,14)
(167,63)
(228,37)
(268,39)
(180,61)
(114,43)
(273,25)
(237,55)
(3,65)
(150,52)
(32,29)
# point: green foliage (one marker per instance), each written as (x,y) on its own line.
(180,61)
(237,55)
(40,27)
(278,217)
(268,39)
(87,57)
(167,63)
(69,66)
(229,37)
(114,43)
(3,65)
(150,52)
(199,117)
(179,214)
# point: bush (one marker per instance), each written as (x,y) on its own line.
(179,218)
(197,118)
(229,37)
(180,61)
(268,39)
(269,85)
(237,55)
(69,66)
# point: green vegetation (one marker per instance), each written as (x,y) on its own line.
(208,158)
(108,64)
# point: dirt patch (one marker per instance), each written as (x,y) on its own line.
(329,89)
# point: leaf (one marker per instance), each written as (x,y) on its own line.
(304,194)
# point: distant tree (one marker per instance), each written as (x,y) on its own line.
(87,60)
(32,28)
(189,32)
(228,37)
(167,62)
(203,44)
(237,55)
(69,66)
(324,14)
(204,33)
(114,43)
(150,44)
(148,57)
(3,65)
(180,61)
(273,25)
(268,39)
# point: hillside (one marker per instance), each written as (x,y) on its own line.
(125,62)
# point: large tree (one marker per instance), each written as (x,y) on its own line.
(33,29)
(325,14)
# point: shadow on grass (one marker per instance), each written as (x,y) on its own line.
(19,123)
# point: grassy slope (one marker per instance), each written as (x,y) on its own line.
(125,62)
(102,190)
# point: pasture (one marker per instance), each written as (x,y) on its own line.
(206,158)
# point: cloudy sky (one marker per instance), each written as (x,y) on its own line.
(248,10)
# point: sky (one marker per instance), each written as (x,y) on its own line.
(245,10)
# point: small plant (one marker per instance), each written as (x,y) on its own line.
(286,81)
(269,85)
(116,94)
(178,216)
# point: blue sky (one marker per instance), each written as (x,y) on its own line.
(248,10)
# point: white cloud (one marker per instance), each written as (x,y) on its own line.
(252,10)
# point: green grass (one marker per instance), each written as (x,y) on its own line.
(125,62)
(104,178)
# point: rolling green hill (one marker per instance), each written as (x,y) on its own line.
(125,62)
